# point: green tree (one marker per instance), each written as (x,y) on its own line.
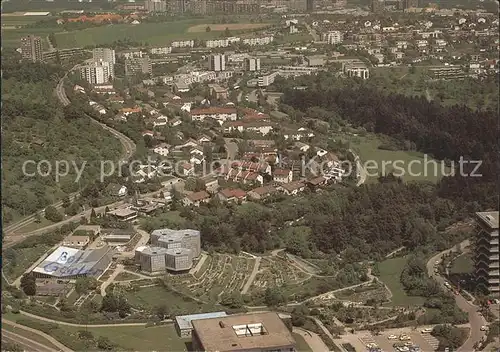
(28,284)
(52,214)
(208,29)
(104,343)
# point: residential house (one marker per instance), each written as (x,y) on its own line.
(229,195)
(316,182)
(262,127)
(116,190)
(219,114)
(162,149)
(282,175)
(176,121)
(203,139)
(76,241)
(261,192)
(129,111)
(196,198)
(211,184)
(186,169)
(261,167)
(293,188)
(302,146)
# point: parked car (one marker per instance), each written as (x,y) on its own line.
(392,337)
(484,328)
(426,331)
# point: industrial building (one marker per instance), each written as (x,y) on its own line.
(184,323)
(486,252)
(70,263)
(31,48)
(257,332)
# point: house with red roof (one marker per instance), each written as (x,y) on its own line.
(196,198)
(229,195)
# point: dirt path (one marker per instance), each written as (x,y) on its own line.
(199,264)
(105,284)
(77,325)
(255,270)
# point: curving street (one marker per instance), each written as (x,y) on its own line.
(475,319)
(129,148)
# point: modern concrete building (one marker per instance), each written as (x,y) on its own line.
(98,72)
(252,64)
(104,55)
(217,62)
(183,323)
(70,263)
(486,252)
(257,332)
(179,259)
(137,65)
(31,48)
(175,239)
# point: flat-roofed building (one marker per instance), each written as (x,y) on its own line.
(486,252)
(179,259)
(31,48)
(356,69)
(183,323)
(259,332)
(175,239)
(76,241)
(124,214)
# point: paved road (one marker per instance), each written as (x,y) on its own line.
(109,281)
(129,148)
(313,340)
(312,32)
(231,149)
(24,342)
(359,169)
(49,338)
(475,319)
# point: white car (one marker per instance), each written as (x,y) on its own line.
(426,331)
(484,328)
(404,338)
(392,337)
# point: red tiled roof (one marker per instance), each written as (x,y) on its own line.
(264,190)
(317,180)
(197,196)
(281,172)
(213,110)
(293,185)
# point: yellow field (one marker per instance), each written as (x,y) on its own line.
(222,27)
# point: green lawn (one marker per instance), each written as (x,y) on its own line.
(124,276)
(302,345)
(30,335)
(11,38)
(150,297)
(377,161)
(462,265)
(137,338)
(390,273)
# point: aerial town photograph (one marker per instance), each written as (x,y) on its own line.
(250,175)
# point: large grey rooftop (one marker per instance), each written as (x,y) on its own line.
(490,218)
(168,235)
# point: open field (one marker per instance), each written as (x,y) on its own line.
(29,335)
(153,296)
(390,273)
(124,276)
(11,38)
(137,338)
(373,159)
(199,28)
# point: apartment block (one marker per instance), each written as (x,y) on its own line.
(217,63)
(252,64)
(486,252)
(97,72)
(31,48)
(155,5)
(104,54)
(137,65)
(333,37)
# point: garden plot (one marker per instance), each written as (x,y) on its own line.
(275,271)
(224,274)
(363,294)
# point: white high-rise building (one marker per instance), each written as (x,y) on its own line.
(104,55)
(252,64)
(98,72)
(217,62)
(333,37)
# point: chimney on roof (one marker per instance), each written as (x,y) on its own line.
(221,324)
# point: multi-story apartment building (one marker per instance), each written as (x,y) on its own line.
(97,72)
(104,54)
(137,65)
(267,80)
(333,37)
(183,44)
(155,5)
(252,64)
(486,252)
(160,50)
(232,7)
(31,48)
(217,62)
(258,41)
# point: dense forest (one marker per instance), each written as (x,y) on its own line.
(36,127)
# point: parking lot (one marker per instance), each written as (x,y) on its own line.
(361,339)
